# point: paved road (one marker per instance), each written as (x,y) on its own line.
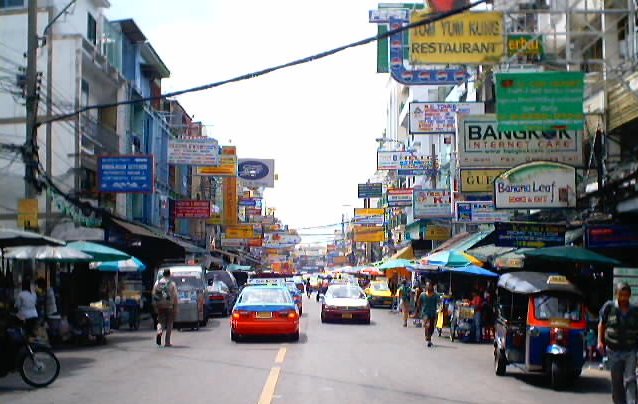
(332,363)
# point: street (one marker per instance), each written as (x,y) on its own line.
(332,363)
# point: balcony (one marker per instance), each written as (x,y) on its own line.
(97,139)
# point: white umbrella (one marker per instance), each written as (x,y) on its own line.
(14,238)
(47,253)
(130,265)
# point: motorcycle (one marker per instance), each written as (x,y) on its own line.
(35,361)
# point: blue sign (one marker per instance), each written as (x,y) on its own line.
(529,235)
(125,174)
(611,235)
(251,202)
(370,190)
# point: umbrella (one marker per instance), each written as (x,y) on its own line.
(571,254)
(130,265)
(416,267)
(99,252)
(371,271)
(451,258)
(237,267)
(470,270)
(396,263)
(47,253)
(14,238)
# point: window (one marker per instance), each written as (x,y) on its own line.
(91,29)
(11,3)
(84,99)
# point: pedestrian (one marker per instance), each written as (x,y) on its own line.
(617,337)
(404,298)
(426,306)
(165,302)
(26,305)
(477,304)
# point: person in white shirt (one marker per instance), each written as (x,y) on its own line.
(26,305)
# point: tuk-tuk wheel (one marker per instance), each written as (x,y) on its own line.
(558,376)
(500,363)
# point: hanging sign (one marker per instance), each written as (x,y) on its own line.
(370,190)
(256,172)
(195,151)
(437,232)
(432,203)
(529,235)
(192,209)
(432,118)
(368,234)
(480,212)
(125,174)
(479,180)
(369,216)
(398,197)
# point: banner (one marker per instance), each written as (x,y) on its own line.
(479,180)
(540,101)
(194,151)
(370,190)
(536,185)
(473,37)
(480,212)
(529,235)
(398,197)
(432,118)
(230,201)
(125,174)
(432,203)
(368,234)
(192,209)
(369,216)
(481,144)
(256,172)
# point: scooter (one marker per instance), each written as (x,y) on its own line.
(35,361)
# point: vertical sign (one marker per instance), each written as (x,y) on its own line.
(230,201)
(28,214)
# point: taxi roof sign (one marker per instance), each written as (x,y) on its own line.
(267,281)
(557,280)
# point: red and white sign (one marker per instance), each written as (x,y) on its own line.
(398,197)
(192,209)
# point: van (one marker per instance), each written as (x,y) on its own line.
(191,293)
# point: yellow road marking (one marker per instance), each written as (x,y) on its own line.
(280,355)
(269,388)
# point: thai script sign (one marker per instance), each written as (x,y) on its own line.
(467,38)
(192,209)
(195,151)
(480,143)
(398,197)
(540,101)
(432,203)
(530,235)
(479,180)
(536,185)
(480,212)
(428,118)
(125,174)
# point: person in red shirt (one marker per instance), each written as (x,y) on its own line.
(477,304)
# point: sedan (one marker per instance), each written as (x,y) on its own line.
(297,296)
(345,302)
(265,310)
(220,299)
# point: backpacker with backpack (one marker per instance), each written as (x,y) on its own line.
(162,294)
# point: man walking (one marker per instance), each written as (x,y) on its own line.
(618,336)
(427,304)
(404,296)
(165,302)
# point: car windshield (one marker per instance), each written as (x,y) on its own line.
(265,296)
(555,307)
(345,292)
(218,286)
(381,287)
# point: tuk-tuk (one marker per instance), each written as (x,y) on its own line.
(540,326)
(192,295)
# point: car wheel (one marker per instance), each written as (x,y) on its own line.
(233,336)
(225,312)
(323,318)
(300,312)
(294,337)
(367,321)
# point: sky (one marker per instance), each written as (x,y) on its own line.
(318,121)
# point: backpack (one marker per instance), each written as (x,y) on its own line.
(162,293)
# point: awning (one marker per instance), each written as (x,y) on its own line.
(136,229)
(188,247)
(488,252)
(463,241)
(405,252)
(68,231)
(571,255)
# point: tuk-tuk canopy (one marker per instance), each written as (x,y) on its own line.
(536,282)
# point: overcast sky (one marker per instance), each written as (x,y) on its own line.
(318,120)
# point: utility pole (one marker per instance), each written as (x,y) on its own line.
(30,143)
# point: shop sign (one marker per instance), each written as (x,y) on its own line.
(479,180)
(432,203)
(541,101)
(256,172)
(229,242)
(525,48)
(529,235)
(370,190)
(536,185)
(398,197)
(125,174)
(230,201)
(250,202)
(227,168)
(194,151)
(480,143)
(437,232)
(192,209)
(369,216)
(473,37)
(433,118)
(28,213)
(630,277)
(368,234)
(611,236)
(480,212)
(401,160)
(215,215)
(240,231)
(281,240)
(253,211)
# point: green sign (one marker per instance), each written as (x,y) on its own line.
(540,101)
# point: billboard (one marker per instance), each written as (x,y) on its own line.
(368,234)
(479,180)
(125,174)
(529,235)
(256,172)
(473,37)
(370,190)
(194,151)
(480,143)
(540,100)
(536,185)
(369,216)
(432,203)
(192,209)
(398,197)
(480,212)
(432,118)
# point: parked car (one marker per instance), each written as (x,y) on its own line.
(226,277)
(220,298)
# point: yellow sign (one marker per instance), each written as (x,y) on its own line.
(215,218)
(231,204)
(227,167)
(473,37)
(481,180)
(28,213)
(438,233)
(240,232)
(369,212)
(368,234)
